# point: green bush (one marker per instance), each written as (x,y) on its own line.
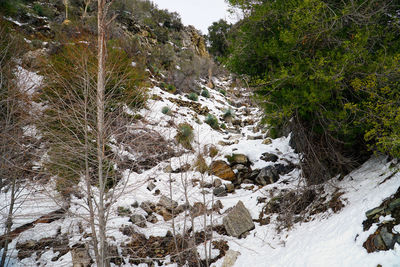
(193,96)
(228,114)
(205,93)
(185,135)
(312,62)
(166,110)
(223,126)
(222,91)
(212,121)
(171,88)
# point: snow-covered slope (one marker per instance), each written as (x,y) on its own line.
(327,239)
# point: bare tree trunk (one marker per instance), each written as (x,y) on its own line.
(101,55)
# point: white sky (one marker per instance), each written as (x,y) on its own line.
(199,13)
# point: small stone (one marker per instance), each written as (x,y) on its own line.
(148,207)
(217,183)
(151,186)
(152,219)
(238,159)
(198,209)
(167,203)
(223,143)
(230,258)
(166,214)
(247,181)
(230,188)
(269,157)
(257,137)
(267,141)
(168,169)
(239,167)
(217,206)
(220,192)
(139,220)
(135,205)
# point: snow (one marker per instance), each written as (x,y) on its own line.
(330,239)
(28,81)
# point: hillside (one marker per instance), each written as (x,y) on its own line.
(193,175)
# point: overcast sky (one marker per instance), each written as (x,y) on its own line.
(199,13)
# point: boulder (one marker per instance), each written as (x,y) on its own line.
(388,238)
(167,203)
(139,220)
(151,186)
(238,221)
(371,213)
(221,169)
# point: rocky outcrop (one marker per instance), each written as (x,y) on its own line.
(238,221)
(193,38)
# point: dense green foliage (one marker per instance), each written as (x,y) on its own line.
(217,38)
(329,67)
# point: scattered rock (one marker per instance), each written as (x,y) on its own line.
(221,169)
(217,206)
(168,169)
(388,238)
(267,141)
(267,175)
(148,207)
(151,186)
(269,157)
(238,159)
(257,137)
(223,143)
(166,214)
(230,188)
(217,183)
(152,218)
(80,257)
(139,220)
(239,168)
(230,258)
(167,203)
(238,221)
(198,209)
(220,192)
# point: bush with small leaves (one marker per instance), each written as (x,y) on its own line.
(212,121)
(185,135)
(166,110)
(223,126)
(205,93)
(193,96)
(228,114)
(222,91)
(171,89)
